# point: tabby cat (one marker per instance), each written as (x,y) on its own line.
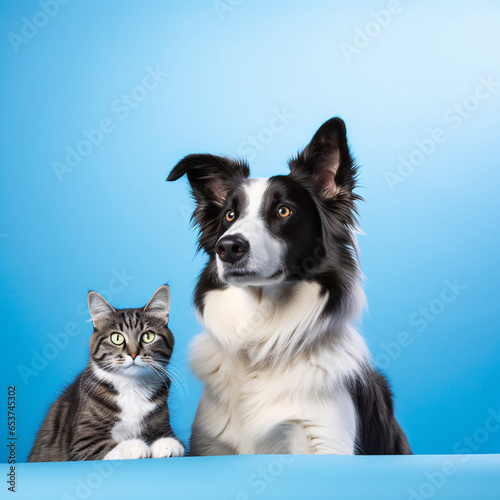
(117,407)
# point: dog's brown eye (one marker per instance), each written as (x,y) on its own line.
(230,215)
(284,211)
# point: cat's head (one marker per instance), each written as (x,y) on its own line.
(135,342)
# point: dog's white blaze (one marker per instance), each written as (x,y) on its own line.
(250,218)
(255,191)
(134,401)
(245,402)
(266,250)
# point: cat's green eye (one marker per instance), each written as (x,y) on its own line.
(117,338)
(148,337)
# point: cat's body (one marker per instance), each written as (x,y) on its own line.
(117,407)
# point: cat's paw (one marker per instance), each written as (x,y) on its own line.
(167,447)
(129,449)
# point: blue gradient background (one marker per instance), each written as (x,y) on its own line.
(114,211)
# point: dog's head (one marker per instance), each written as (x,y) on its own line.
(263,231)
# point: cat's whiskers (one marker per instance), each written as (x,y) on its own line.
(153,373)
(177,365)
(161,373)
(172,377)
(174,369)
(158,374)
(178,373)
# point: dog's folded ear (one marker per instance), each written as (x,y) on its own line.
(210,176)
(327,160)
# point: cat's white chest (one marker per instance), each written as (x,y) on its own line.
(135,405)
(133,400)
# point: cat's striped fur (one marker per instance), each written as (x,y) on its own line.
(117,407)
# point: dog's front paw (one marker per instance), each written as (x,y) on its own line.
(167,447)
(129,449)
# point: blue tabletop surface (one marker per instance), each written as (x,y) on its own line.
(266,476)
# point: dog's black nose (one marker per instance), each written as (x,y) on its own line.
(232,248)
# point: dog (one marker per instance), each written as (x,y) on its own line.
(284,368)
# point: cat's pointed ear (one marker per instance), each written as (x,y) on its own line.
(210,176)
(327,160)
(159,304)
(98,307)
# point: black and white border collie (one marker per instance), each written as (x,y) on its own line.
(284,368)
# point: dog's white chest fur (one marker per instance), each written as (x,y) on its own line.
(265,391)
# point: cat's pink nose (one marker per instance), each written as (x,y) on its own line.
(133,356)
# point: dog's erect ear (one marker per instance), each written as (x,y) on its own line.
(327,160)
(210,176)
